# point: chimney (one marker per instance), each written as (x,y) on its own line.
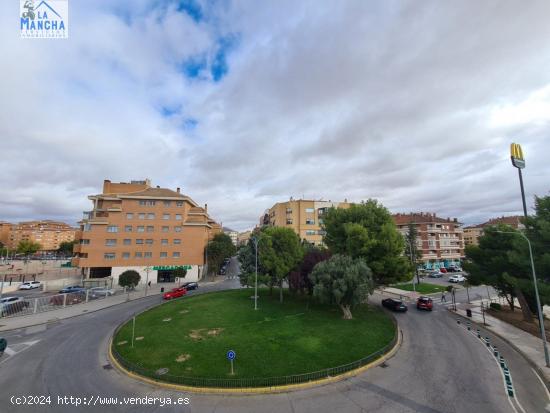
(158,186)
(178,189)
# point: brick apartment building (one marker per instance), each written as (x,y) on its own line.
(473,232)
(136,226)
(49,234)
(440,240)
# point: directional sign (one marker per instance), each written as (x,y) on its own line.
(231,355)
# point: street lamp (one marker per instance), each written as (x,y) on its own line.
(147,269)
(255,241)
(539,308)
(412,262)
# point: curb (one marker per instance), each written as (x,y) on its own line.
(259,390)
(529,361)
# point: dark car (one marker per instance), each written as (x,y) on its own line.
(226,260)
(394,305)
(222,271)
(73,289)
(435,274)
(191,286)
(72,298)
(12,305)
(424,303)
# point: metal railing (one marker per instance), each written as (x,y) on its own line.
(221,382)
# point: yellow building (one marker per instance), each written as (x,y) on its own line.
(49,234)
(473,232)
(305,217)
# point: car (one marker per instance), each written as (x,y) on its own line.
(222,271)
(29,285)
(226,260)
(96,292)
(72,289)
(443,270)
(394,305)
(191,285)
(435,274)
(72,298)
(175,293)
(424,303)
(456,278)
(11,305)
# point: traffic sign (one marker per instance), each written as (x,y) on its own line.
(231,355)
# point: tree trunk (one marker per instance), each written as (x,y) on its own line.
(527,314)
(347,312)
(510,301)
(281,292)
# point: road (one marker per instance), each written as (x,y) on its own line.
(439,368)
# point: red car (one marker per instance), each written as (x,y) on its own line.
(424,303)
(443,270)
(175,293)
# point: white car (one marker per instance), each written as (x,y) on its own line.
(100,292)
(456,278)
(29,285)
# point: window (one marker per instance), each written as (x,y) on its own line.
(320,221)
(289,221)
(129,215)
(289,210)
(151,203)
(112,228)
(125,255)
(150,228)
(163,254)
(177,241)
(166,203)
(310,232)
(148,254)
(143,203)
(139,241)
(109,256)
(87,227)
(165,216)
(310,221)
(310,209)
(149,241)
(140,228)
(163,242)
(84,242)
(138,255)
(141,216)
(150,216)
(127,228)
(165,229)
(110,242)
(177,229)
(179,203)
(175,254)
(178,217)
(127,241)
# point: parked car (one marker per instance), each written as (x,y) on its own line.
(29,285)
(394,305)
(424,303)
(456,278)
(222,271)
(11,305)
(96,292)
(226,260)
(175,293)
(435,274)
(72,289)
(72,298)
(191,285)
(443,270)
(452,268)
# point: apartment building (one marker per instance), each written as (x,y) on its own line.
(243,237)
(440,240)
(232,234)
(305,217)
(49,234)
(473,232)
(152,230)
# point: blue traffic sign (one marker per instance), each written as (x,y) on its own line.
(231,355)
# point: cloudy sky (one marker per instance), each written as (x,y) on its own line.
(245,103)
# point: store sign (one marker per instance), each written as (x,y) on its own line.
(516,154)
(172,267)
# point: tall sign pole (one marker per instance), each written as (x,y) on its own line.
(516,155)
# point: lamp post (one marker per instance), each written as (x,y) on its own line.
(147,269)
(539,308)
(412,262)
(255,241)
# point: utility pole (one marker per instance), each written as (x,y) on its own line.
(255,241)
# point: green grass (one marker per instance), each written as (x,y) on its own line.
(422,288)
(276,340)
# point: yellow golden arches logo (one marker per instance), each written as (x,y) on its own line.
(516,154)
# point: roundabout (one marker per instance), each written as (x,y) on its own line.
(278,347)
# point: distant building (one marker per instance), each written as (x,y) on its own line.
(49,234)
(305,217)
(243,237)
(440,240)
(232,234)
(473,232)
(134,226)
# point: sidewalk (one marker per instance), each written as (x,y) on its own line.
(527,344)
(13,323)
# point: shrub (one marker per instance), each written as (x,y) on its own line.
(129,278)
(495,306)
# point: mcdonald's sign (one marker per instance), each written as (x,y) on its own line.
(516,154)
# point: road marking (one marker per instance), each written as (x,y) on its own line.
(10,352)
(542,382)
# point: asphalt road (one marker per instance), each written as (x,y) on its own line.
(440,367)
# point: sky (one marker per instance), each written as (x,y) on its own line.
(243,104)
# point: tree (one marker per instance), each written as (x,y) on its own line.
(66,247)
(218,248)
(129,278)
(344,281)
(28,247)
(247,259)
(368,231)
(180,273)
(411,249)
(280,252)
(299,280)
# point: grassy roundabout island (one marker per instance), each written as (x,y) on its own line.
(191,336)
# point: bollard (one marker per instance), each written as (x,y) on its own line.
(487,341)
(469,326)
(478,333)
(495,351)
(458,320)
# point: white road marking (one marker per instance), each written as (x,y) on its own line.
(542,383)
(10,352)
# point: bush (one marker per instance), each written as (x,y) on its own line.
(495,306)
(129,278)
